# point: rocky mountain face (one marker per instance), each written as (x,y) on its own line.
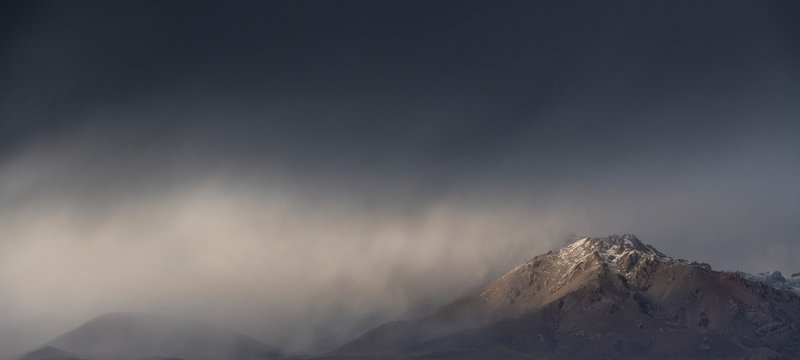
(122,336)
(612,297)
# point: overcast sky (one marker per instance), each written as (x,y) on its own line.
(280,167)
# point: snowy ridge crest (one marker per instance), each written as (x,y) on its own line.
(622,254)
(613,250)
(776,280)
(610,246)
(629,242)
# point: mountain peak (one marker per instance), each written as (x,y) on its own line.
(617,253)
(613,244)
(602,297)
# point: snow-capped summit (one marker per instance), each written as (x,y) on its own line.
(612,249)
(617,250)
(618,243)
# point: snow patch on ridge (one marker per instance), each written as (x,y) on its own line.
(776,280)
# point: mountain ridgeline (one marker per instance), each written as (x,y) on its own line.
(597,298)
(612,297)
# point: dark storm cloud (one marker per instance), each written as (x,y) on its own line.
(354,80)
(405,151)
(437,88)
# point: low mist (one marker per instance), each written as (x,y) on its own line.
(297,272)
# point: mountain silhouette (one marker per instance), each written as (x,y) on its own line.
(120,336)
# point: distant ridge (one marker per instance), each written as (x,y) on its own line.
(122,336)
(49,353)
